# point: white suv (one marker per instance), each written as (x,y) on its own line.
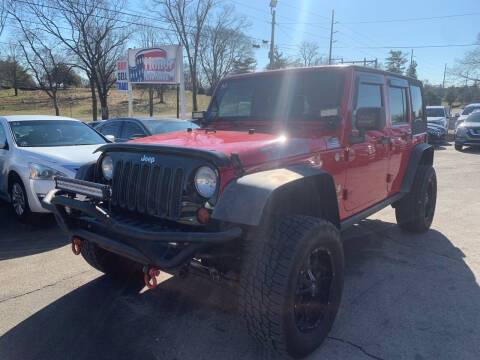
(438,115)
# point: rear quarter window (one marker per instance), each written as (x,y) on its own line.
(418,113)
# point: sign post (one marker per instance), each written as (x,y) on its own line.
(158,65)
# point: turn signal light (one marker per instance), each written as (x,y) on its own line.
(203,215)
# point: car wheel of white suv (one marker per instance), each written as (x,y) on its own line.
(18,199)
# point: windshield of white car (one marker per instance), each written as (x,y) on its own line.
(165,126)
(475,117)
(469,109)
(435,112)
(45,133)
(287,96)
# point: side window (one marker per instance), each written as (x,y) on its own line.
(418,120)
(398,105)
(130,129)
(369,95)
(112,129)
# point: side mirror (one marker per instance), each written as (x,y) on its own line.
(110,138)
(198,115)
(370,118)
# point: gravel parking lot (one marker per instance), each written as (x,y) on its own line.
(406,296)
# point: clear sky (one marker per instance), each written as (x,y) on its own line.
(364,29)
(359,27)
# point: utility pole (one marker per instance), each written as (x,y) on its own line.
(411,58)
(331,39)
(273,4)
(444,72)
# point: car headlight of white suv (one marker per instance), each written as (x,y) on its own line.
(42,172)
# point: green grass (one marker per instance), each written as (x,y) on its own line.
(76,103)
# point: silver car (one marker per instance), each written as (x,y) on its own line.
(36,148)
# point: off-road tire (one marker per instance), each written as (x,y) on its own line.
(458,147)
(413,212)
(268,282)
(111,264)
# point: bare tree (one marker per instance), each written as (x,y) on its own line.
(3,15)
(91,33)
(222,44)
(468,68)
(308,54)
(187,18)
(42,61)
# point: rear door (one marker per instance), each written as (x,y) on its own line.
(368,155)
(399,116)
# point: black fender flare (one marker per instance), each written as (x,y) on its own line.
(421,154)
(296,189)
(86,172)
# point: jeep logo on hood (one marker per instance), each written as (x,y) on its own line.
(149,159)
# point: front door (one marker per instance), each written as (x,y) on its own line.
(367,166)
(3,162)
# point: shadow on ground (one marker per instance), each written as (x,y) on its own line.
(18,239)
(406,296)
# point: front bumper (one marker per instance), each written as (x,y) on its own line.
(156,244)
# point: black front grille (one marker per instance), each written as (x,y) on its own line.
(148,189)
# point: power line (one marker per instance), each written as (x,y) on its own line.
(411,47)
(410,19)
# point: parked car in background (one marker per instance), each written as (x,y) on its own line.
(466,111)
(94,124)
(468,132)
(436,133)
(36,148)
(438,115)
(125,129)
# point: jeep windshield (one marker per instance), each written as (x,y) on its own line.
(279,96)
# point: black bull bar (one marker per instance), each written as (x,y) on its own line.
(163,249)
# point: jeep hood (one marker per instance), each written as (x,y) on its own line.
(252,149)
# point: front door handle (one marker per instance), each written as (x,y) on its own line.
(385,140)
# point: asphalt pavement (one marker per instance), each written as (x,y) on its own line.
(405,297)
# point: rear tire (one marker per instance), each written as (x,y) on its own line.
(291,284)
(112,264)
(458,147)
(415,211)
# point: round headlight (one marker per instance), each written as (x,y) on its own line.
(107,167)
(206,181)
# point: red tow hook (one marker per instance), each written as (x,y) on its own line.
(151,277)
(76,245)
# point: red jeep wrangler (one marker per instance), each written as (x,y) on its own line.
(260,195)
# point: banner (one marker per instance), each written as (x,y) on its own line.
(159,65)
(122,75)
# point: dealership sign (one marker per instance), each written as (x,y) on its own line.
(158,65)
(122,75)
